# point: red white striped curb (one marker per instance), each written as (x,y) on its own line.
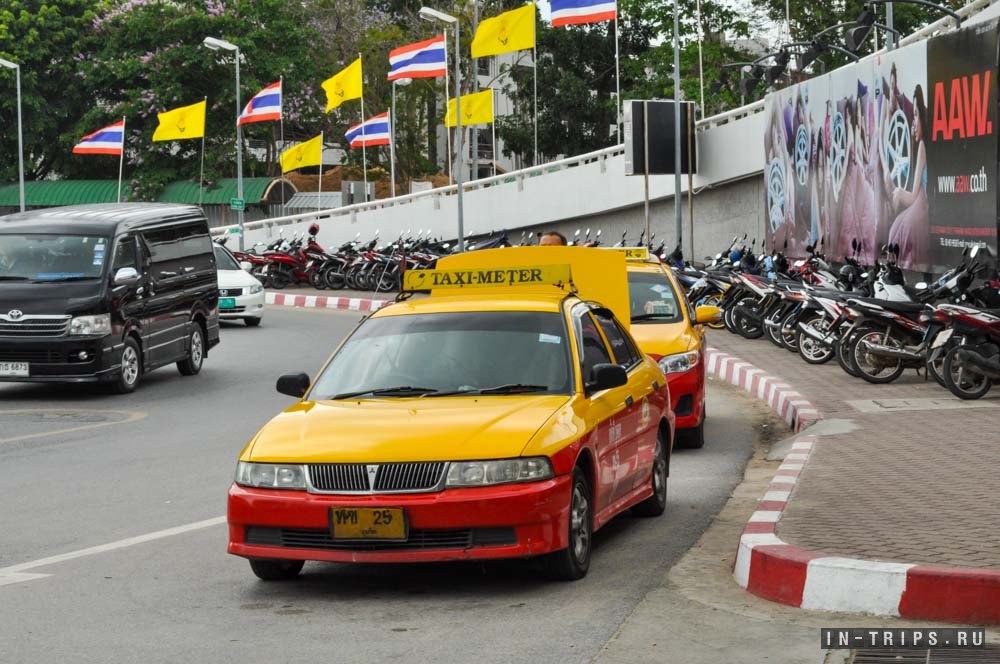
(323,302)
(770,568)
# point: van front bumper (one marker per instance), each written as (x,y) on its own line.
(59,359)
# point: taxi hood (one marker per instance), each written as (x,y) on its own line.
(597,274)
(454,428)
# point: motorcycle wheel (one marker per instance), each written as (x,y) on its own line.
(962,382)
(279,279)
(774,333)
(935,370)
(728,319)
(842,349)
(317,281)
(872,369)
(744,326)
(788,339)
(812,350)
(713,300)
(334,280)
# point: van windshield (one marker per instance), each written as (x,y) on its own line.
(51,257)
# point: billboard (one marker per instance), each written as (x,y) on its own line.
(898,148)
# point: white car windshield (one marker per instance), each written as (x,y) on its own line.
(494,352)
(51,257)
(225,260)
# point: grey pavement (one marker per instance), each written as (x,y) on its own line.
(164,457)
(908,474)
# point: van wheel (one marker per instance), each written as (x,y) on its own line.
(131,369)
(191,365)
(276,570)
(572,563)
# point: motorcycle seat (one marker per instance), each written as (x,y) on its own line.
(897,307)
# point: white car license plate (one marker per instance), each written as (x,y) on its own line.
(942,338)
(14,369)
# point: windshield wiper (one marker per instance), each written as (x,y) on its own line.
(513,388)
(403,390)
(651,316)
(10,277)
(73,278)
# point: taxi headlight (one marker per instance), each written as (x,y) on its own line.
(679,363)
(271,475)
(86,325)
(256,288)
(499,471)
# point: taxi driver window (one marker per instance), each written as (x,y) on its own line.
(452,353)
(624,353)
(652,298)
(592,346)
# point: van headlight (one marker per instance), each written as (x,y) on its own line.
(679,363)
(498,471)
(271,475)
(89,325)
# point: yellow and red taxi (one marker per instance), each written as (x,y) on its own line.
(670,331)
(505,415)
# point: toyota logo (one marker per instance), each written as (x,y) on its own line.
(15,314)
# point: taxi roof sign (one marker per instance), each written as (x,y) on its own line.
(487,277)
(632,253)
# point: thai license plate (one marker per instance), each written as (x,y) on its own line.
(227,302)
(14,369)
(353,523)
(942,338)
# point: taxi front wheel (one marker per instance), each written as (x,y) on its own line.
(573,562)
(276,570)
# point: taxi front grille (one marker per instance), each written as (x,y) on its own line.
(407,477)
(309,538)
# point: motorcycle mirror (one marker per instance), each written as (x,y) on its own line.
(576,233)
(588,232)
(598,233)
(975,251)
(921,285)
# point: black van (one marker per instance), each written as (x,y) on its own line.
(106,293)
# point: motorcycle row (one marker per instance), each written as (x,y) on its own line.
(864,317)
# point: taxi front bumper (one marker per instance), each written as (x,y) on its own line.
(507,521)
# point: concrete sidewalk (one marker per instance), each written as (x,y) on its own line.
(903,474)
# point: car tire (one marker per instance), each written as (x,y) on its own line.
(252,322)
(191,364)
(572,563)
(656,504)
(131,367)
(276,570)
(694,437)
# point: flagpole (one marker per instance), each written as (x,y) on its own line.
(364,133)
(534,58)
(121,162)
(447,100)
(618,84)
(493,128)
(319,187)
(701,64)
(392,144)
(281,137)
(201,174)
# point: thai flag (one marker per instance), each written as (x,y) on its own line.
(573,12)
(103,141)
(373,131)
(263,106)
(426,59)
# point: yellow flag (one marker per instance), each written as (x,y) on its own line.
(308,153)
(510,31)
(477,108)
(343,86)
(181,123)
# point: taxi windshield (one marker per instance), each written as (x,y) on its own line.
(476,352)
(652,298)
(51,257)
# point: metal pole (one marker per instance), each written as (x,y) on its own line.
(493,128)
(121,162)
(645,165)
(891,36)
(281,138)
(701,64)
(618,86)
(677,122)
(689,122)
(364,137)
(392,144)
(458,134)
(239,154)
(534,58)
(447,99)
(474,138)
(319,187)
(20,139)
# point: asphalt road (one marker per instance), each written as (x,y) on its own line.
(83,473)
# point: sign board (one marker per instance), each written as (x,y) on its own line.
(661,137)
(237,204)
(632,253)
(486,277)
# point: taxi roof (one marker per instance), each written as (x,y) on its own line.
(476,301)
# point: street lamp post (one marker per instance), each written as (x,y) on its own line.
(429,14)
(216,44)
(20,132)
(392,139)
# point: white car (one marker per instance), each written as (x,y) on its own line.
(241,296)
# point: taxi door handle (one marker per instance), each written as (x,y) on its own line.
(629,401)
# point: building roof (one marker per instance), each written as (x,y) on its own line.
(51,193)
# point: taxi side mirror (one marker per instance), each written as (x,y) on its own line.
(294,385)
(606,376)
(707,313)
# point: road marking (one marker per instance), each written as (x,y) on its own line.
(14,573)
(130,416)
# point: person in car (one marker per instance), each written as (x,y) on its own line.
(552,238)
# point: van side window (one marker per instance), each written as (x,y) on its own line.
(125,254)
(179,250)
